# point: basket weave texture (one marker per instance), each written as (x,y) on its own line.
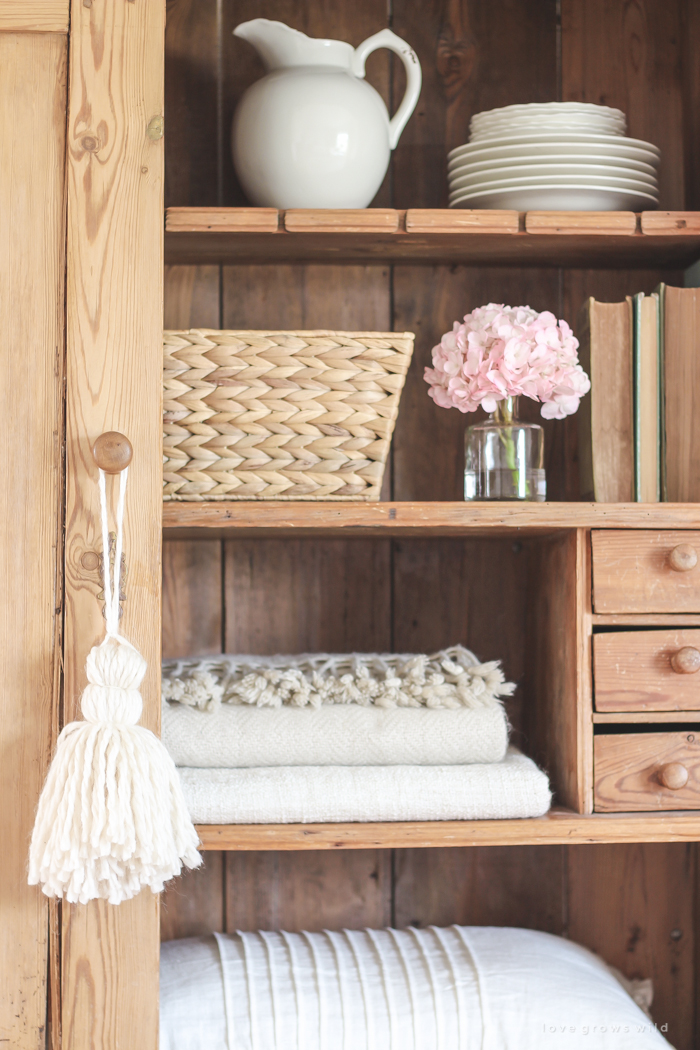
(280,415)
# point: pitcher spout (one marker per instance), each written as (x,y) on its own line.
(281,47)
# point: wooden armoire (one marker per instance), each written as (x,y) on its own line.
(110,115)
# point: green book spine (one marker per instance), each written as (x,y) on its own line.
(661,293)
(636,399)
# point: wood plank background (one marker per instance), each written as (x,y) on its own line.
(33,73)
(633,904)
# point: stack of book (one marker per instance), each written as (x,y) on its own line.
(639,436)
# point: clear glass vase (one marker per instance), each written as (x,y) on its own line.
(505,458)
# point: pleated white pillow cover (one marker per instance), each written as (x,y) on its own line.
(459,988)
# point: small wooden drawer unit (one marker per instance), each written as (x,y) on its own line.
(640,571)
(647,771)
(647,671)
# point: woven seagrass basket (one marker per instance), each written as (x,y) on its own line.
(280,415)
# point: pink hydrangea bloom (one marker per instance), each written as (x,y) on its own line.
(503,351)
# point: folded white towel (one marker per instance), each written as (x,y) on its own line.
(514,787)
(334,735)
(416,989)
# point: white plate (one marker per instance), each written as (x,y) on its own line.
(580,138)
(556,153)
(624,186)
(602,126)
(592,173)
(555,197)
(582,162)
(512,132)
(549,108)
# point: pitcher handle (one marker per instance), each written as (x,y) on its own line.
(414,79)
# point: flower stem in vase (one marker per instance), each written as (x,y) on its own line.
(504,457)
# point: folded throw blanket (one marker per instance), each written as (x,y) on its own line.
(234,736)
(451,678)
(514,787)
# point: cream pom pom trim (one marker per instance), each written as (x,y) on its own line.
(450,678)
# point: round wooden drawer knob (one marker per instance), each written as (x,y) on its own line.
(674,776)
(683,558)
(686,660)
(112,452)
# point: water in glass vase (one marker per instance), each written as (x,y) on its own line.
(504,458)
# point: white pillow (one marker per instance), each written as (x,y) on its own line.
(459,988)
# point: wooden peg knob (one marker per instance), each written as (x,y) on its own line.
(686,660)
(673,776)
(683,558)
(112,452)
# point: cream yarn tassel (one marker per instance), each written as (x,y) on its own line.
(112,818)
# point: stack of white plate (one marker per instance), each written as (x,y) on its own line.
(569,156)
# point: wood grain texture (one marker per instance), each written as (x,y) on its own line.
(32,236)
(296,596)
(432,518)
(194,904)
(114,382)
(568,223)
(558,826)
(34,16)
(492,886)
(628,769)
(213,235)
(192,598)
(631,572)
(633,905)
(341,220)
(469,64)
(194,140)
(681,383)
(441,590)
(465,220)
(629,56)
(308,890)
(633,672)
(558,691)
(680,222)
(646,717)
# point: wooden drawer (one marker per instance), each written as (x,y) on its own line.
(647,671)
(646,572)
(630,770)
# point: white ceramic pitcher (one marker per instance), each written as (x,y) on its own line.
(313,133)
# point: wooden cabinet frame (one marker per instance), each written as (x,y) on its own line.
(81,285)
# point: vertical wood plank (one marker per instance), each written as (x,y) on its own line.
(192,598)
(308,890)
(32,237)
(194,142)
(633,905)
(193,904)
(558,699)
(114,382)
(629,56)
(294,596)
(474,56)
(482,886)
(469,592)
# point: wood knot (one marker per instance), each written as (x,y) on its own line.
(90,144)
(456,59)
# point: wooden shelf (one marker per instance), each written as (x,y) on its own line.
(181,520)
(559,826)
(384,235)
